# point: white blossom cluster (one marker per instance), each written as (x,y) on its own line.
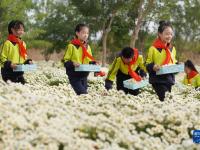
(46,114)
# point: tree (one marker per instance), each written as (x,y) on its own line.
(56,19)
(10,10)
(144,9)
(100,16)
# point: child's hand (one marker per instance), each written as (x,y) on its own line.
(144,78)
(156,67)
(101,74)
(13,66)
(97,62)
(93,62)
(76,64)
(179,63)
(30,62)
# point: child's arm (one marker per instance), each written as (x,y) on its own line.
(94,62)
(184,81)
(142,67)
(28,61)
(89,50)
(174,52)
(67,57)
(5,63)
(112,74)
(198,81)
(150,65)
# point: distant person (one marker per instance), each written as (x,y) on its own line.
(192,76)
(78,52)
(13,52)
(162,52)
(129,64)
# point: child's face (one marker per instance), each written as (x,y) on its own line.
(167,35)
(18,32)
(126,60)
(187,70)
(83,34)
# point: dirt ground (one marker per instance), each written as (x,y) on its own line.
(35,54)
(194,57)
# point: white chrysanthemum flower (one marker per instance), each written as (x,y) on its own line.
(46,113)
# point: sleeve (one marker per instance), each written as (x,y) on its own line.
(27,61)
(68,56)
(149,60)
(90,52)
(113,70)
(141,69)
(4,56)
(174,53)
(108,84)
(141,64)
(184,81)
(24,44)
(112,74)
(198,81)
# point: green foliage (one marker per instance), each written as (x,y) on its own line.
(50,23)
(10,10)
(123,145)
(32,39)
(96,12)
(55,82)
(59,24)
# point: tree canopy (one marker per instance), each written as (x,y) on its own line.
(113,24)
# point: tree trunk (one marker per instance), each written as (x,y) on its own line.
(104,45)
(106,30)
(136,30)
(46,55)
(141,15)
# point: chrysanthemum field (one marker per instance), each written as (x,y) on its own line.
(46,114)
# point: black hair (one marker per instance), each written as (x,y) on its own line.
(14,24)
(190,65)
(80,26)
(163,25)
(127,52)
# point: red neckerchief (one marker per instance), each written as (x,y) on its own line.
(159,44)
(86,54)
(132,73)
(191,75)
(84,49)
(22,49)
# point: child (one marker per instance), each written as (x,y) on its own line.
(78,52)
(124,67)
(192,76)
(13,52)
(161,53)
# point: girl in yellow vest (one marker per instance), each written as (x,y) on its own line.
(129,64)
(78,52)
(162,52)
(192,76)
(13,52)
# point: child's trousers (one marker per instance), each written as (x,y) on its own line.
(161,89)
(79,84)
(8,74)
(120,86)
